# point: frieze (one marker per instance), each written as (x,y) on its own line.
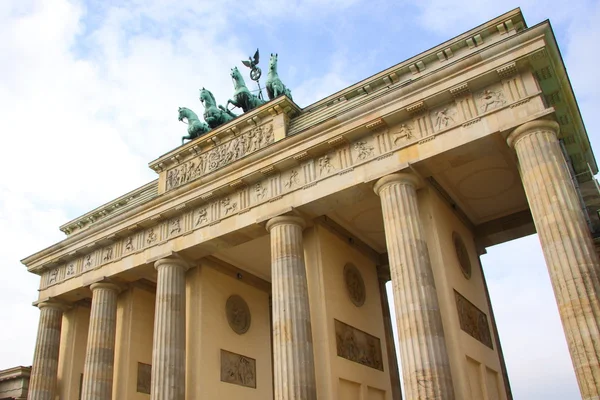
(220,156)
(472,320)
(238,369)
(339,160)
(358,346)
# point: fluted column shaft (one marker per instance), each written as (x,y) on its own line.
(42,383)
(425,364)
(100,353)
(567,245)
(168,354)
(294,367)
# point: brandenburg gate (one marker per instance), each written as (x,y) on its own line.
(255,265)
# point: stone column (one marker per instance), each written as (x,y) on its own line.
(42,383)
(294,366)
(567,245)
(168,355)
(100,354)
(425,362)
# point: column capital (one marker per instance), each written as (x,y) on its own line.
(530,127)
(285,219)
(52,303)
(105,284)
(172,260)
(405,178)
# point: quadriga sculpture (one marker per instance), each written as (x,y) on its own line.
(242,97)
(274,85)
(196,127)
(214,115)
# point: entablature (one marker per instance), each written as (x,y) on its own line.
(464,96)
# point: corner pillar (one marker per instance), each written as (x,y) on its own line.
(168,354)
(425,363)
(294,367)
(567,245)
(100,354)
(42,383)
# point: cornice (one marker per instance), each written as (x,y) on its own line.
(351,119)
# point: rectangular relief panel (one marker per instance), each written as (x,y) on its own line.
(473,320)
(238,369)
(358,346)
(144,377)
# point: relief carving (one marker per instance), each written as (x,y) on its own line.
(228,206)
(220,156)
(70,269)
(354,284)
(238,369)
(363,149)
(144,378)
(490,99)
(444,118)
(108,253)
(405,132)
(325,166)
(152,236)
(129,244)
(358,346)
(462,254)
(202,217)
(53,276)
(472,320)
(87,262)
(238,314)
(292,180)
(175,226)
(260,190)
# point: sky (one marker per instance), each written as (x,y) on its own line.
(89,93)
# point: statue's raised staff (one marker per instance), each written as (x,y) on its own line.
(214,115)
(242,97)
(274,85)
(196,127)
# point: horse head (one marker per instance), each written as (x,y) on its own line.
(206,98)
(273,62)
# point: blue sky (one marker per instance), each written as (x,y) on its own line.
(89,94)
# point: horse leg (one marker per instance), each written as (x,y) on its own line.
(235,104)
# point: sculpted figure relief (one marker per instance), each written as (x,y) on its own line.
(274,85)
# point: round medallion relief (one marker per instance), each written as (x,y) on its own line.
(238,314)
(355,284)
(462,255)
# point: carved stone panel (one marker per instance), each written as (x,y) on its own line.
(490,99)
(144,377)
(238,314)
(354,284)
(358,346)
(473,320)
(238,369)
(462,254)
(220,156)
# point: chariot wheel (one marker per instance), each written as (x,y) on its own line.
(255,73)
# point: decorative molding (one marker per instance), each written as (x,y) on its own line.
(507,70)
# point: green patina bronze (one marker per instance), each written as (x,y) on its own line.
(274,85)
(214,115)
(196,127)
(242,97)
